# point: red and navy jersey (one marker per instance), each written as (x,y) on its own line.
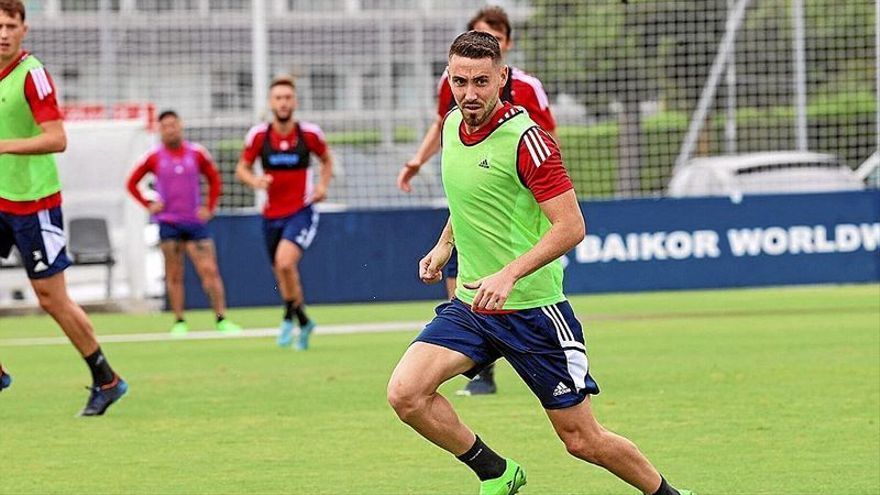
(524,90)
(286,160)
(40,93)
(539,161)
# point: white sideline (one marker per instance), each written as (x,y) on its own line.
(215,335)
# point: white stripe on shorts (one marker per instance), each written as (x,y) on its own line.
(306,236)
(53,237)
(576,359)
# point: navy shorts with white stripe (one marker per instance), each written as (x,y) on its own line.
(299,228)
(40,240)
(544,345)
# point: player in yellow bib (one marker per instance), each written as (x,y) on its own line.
(513,214)
(31,130)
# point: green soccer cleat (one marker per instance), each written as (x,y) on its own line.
(179,329)
(228,327)
(509,483)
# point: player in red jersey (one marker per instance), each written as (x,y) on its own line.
(522,90)
(31,131)
(290,222)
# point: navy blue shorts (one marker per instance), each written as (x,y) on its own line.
(451,268)
(299,228)
(40,240)
(183,232)
(544,345)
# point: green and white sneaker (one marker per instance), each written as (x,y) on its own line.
(509,483)
(227,326)
(179,329)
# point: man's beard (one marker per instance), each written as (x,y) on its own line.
(476,120)
(281,119)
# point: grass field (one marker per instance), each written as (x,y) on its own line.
(771,391)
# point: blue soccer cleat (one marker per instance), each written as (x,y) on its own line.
(305,332)
(5,380)
(104,396)
(285,333)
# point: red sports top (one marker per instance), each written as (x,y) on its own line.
(290,190)
(39,90)
(148,163)
(539,160)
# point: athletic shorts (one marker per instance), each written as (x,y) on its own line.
(40,240)
(544,345)
(451,268)
(183,232)
(299,228)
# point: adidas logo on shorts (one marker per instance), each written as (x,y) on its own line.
(561,389)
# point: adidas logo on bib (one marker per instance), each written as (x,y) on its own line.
(561,389)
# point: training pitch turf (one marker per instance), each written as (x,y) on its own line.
(771,391)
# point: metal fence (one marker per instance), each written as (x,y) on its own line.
(636,88)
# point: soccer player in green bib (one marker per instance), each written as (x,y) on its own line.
(513,213)
(31,130)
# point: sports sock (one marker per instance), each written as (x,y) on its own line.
(102,373)
(301,315)
(484,461)
(180,320)
(665,488)
(289,306)
(220,318)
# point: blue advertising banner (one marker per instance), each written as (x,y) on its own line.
(631,245)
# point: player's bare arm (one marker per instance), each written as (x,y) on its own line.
(566,231)
(52,140)
(245,174)
(429,147)
(326,175)
(431,266)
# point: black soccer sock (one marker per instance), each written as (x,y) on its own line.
(289,309)
(488,373)
(220,318)
(180,320)
(484,461)
(301,314)
(102,373)
(665,488)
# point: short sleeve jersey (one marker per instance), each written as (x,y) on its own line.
(40,93)
(290,190)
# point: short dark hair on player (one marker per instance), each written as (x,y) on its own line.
(283,80)
(494,16)
(476,45)
(12,7)
(167,113)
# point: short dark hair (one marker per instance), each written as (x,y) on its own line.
(283,80)
(12,7)
(476,45)
(167,113)
(494,16)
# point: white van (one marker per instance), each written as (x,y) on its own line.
(763,173)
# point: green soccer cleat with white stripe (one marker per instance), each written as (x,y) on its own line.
(508,483)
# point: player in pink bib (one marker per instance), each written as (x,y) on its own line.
(177,166)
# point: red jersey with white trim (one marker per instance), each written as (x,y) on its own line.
(291,187)
(40,93)
(526,91)
(539,161)
(149,164)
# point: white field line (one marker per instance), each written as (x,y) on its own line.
(395,326)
